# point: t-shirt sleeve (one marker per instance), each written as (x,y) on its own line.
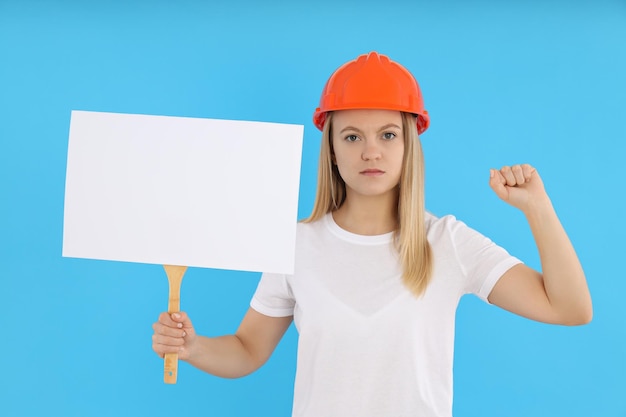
(482,261)
(273,296)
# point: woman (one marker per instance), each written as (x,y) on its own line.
(378,279)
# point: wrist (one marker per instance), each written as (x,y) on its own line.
(539,209)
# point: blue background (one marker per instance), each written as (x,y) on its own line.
(504,82)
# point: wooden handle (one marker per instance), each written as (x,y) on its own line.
(175,279)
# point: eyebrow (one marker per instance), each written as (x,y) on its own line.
(387,126)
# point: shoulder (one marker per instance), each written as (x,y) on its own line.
(449,233)
(448,225)
(311,227)
(313,233)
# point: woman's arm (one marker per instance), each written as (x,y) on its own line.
(229,356)
(560,295)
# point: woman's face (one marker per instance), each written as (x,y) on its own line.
(368,150)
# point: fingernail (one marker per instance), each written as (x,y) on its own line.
(491,173)
(179,325)
(176,315)
(184,334)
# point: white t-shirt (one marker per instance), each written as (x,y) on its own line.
(367,346)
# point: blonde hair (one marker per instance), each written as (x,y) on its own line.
(410,235)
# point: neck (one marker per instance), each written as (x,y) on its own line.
(368,216)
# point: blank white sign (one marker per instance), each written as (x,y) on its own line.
(182,191)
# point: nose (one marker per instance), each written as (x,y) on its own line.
(371,151)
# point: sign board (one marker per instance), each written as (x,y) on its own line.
(182,191)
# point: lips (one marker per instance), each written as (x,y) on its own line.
(372,172)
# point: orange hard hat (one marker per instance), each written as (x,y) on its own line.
(372,81)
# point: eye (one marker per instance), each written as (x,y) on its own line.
(389,135)
(351,138)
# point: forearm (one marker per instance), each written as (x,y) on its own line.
(224,356)
(563,276)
